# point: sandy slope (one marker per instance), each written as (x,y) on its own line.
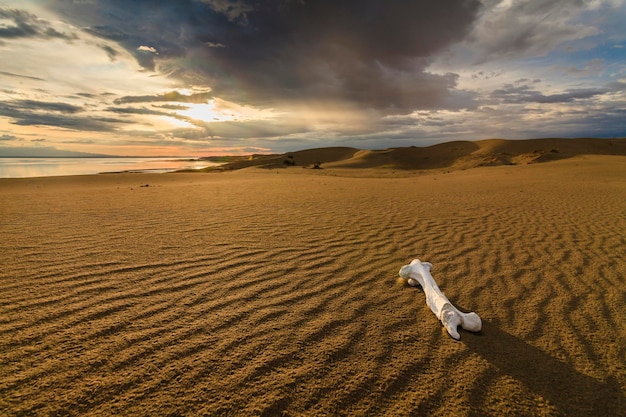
(257,293)
(447,156)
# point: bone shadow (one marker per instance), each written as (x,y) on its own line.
(572,393)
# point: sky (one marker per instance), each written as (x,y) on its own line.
(214,77)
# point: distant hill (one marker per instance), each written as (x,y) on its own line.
(449,155)
(45,152)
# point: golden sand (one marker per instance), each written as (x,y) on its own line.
(276,292)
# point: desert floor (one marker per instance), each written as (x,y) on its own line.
(276,292)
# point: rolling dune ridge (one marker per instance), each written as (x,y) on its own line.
(448,156)
(261,293)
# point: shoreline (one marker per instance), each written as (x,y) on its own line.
(51,167)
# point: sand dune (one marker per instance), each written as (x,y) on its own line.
(449,156)
(264,294)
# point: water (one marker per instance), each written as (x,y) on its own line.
(50,167)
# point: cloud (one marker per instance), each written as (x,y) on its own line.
(43,105)
(243,129)
(173,107)
(525,94)
(38,113)
(93,124)
(514,29)
(236,11)
(10,74)
(289,74)
(147,49)
(133,110)
(23,24)
(174,96)
(367,52)
(8,138)
(507,32)
(591,68)
(110,51)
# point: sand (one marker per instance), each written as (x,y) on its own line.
(448,156)
(275,292)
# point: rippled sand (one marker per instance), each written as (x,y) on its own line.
(264,293)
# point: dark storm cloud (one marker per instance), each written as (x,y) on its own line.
(23,24)
(369,52)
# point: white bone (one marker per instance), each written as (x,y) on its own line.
(418,272)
